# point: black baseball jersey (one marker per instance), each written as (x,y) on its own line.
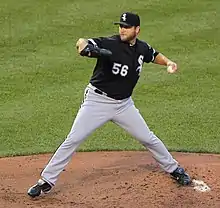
(118,74)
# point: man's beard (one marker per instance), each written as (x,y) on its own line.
(129,38)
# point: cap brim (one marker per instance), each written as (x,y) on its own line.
(121,23)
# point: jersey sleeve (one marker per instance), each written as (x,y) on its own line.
(97,41)
(150,54)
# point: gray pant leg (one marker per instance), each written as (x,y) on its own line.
(131,120)
(89,117)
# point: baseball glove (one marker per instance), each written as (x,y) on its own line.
(86,49)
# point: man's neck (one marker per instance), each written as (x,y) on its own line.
(132,42)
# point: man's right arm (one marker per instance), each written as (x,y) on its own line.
(85,48)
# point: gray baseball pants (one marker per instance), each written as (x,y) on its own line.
(95,111)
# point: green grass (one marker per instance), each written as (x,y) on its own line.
(42,78)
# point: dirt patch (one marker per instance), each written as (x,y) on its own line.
(110,179)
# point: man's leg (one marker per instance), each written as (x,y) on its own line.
(131,120)
(90,116)
(86,121)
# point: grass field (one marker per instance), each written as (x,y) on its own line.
(42,78)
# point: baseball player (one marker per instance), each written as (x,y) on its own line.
(107,97)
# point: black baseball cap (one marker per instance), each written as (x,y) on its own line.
(129,19)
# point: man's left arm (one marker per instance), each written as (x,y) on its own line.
(163,60)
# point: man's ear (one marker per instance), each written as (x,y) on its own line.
(138,29)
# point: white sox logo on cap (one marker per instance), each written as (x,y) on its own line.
(124,17)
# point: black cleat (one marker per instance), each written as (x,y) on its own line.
(37,189)
(181,176)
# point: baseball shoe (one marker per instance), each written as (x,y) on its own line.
(37,189)
(181,176)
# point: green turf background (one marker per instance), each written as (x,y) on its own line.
(42,78)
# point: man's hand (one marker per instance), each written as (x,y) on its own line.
(81,44)
(171,67)
(163,60)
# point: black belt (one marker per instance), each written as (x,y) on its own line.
(103,93)
(100,92)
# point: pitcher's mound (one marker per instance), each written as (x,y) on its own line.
(111,179)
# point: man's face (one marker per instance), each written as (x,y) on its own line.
(128,33)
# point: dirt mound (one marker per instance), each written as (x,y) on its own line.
(111,179)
